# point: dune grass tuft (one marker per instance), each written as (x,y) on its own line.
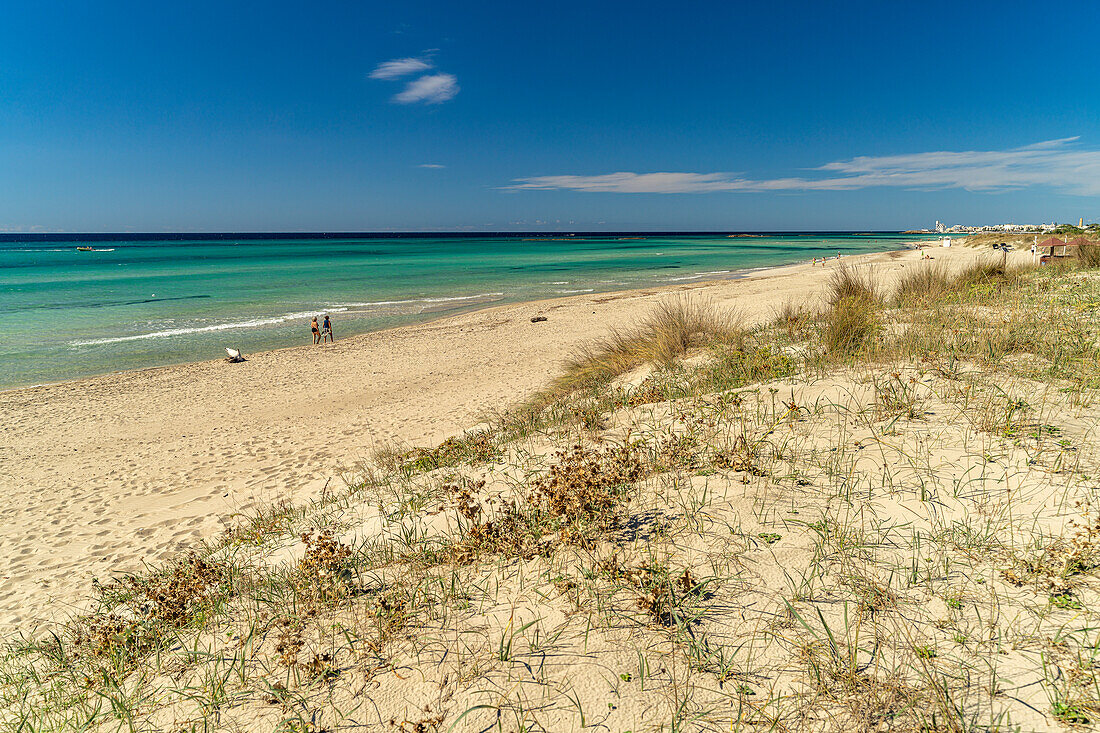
(1089,254)
(850,283)
(986,271)
(673,327)
(793,316)
(850,326)
(923,284)
(852,318)
(930,282)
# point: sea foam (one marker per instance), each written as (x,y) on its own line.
(368,304)
(302,315)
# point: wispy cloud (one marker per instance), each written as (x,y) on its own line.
(1060,164)
(427,89)
(430,89)
(431,165)
(397,68)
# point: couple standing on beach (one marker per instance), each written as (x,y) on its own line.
(823,259)
(325,332)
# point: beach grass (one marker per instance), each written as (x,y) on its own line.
(924,284)
(879,514)
(673,327)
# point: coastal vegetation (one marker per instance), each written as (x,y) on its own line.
(873,511)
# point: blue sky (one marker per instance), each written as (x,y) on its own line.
(366,116)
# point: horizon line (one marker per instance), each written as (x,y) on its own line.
(7,236)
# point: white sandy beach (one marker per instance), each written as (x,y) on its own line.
(104,474)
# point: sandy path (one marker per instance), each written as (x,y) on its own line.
(103,474)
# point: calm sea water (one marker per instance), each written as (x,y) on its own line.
(66,313)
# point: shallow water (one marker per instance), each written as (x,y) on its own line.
(136,303)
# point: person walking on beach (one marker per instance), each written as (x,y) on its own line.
(316,331)
(326,331)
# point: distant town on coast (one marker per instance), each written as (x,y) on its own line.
(1052,228)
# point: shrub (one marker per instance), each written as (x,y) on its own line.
(755,362)
(649,391)
(581,494)
(173,597)
(587,484)
(138,609)
(508,532)
(667,599)
(323,574)
(474,446)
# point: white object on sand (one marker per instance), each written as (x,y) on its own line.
(234,354)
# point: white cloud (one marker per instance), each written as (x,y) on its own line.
(430,89)
(1056,163)
(396,68)
(632,182)
(431,165)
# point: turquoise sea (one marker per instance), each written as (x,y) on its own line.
(140,302)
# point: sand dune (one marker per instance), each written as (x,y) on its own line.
(104,474)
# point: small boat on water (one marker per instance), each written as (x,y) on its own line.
(85,249)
